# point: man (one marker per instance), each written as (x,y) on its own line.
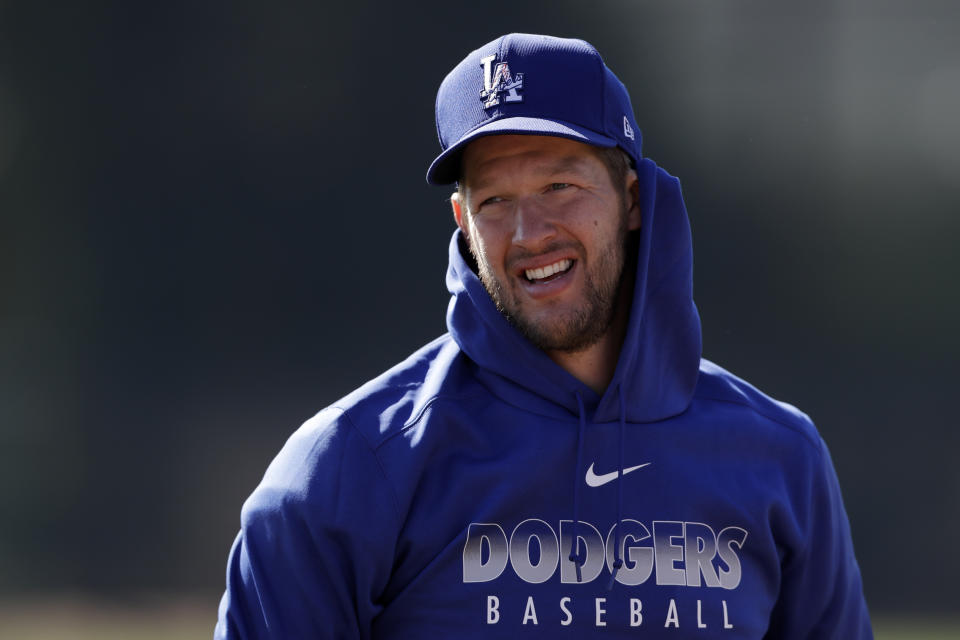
(562,462)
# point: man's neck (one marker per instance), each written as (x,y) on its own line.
(595,365)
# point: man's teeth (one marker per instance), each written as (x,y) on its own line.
(549,270)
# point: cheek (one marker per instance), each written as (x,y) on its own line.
(485,240)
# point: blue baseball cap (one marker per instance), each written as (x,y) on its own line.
(531,85)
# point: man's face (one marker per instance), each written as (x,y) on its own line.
(548,230)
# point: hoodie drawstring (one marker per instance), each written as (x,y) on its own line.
(617,560)
(575,556)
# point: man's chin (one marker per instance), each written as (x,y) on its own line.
(557,334)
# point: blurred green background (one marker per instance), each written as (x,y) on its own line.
(214,222)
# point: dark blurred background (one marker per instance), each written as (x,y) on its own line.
(214,222)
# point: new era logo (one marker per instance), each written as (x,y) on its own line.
(627,129)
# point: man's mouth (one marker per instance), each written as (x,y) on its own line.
(549,272)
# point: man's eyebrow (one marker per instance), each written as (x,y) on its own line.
(544,168)
(567,163)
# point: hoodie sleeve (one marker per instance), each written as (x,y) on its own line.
(316,544)
(821,594)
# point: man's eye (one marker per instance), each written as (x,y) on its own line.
(493,200)
(557,186)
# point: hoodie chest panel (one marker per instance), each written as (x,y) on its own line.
(484,552)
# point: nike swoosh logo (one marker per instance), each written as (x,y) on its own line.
(594,480)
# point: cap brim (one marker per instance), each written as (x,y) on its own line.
(445,169)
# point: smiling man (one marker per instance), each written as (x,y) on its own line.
(562,462)
(546,220)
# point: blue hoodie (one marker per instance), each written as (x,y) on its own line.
(478,490)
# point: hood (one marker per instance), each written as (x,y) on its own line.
(659,362)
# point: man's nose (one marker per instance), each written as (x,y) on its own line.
(534,225)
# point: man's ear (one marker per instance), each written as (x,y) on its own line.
(459,211)
(634,215)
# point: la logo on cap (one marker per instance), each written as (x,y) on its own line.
(498,80)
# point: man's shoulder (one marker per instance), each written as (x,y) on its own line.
(386,404)
(348,432)
(718,386)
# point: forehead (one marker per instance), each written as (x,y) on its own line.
(491,157)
